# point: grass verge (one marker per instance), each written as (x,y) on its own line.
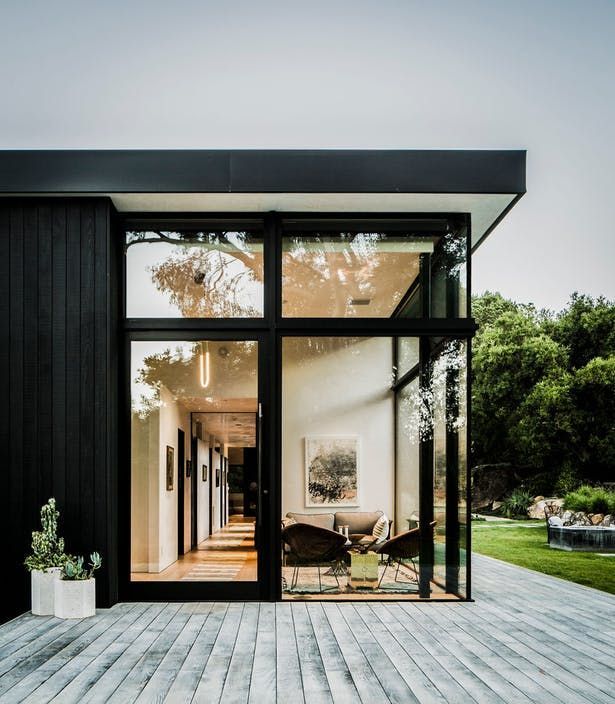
(525,544)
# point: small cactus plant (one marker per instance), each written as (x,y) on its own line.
(47,548)
(74,569)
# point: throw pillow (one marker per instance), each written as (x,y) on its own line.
(381,529)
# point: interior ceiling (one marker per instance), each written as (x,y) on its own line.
(485,208)
(233,429)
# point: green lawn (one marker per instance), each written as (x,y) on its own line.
(524,543)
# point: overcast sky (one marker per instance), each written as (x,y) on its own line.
(382,74)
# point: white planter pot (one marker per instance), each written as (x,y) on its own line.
(75,598)
(43,590)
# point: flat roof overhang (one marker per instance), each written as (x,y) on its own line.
(483,183)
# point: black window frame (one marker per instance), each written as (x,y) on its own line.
(269,331)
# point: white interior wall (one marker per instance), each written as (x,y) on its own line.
(343,391)
(407,499)
(201,459)
(144,493)
(172,416)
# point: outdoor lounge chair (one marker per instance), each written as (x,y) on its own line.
(312,546)
(405,546)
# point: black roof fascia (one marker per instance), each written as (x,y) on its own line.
(262,171)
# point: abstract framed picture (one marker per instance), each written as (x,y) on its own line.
(204,472)
(332,470)
(170,467)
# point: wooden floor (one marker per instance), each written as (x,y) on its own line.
(527,638)
(227,556)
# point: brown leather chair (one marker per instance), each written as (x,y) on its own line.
(311,546)
(405,546)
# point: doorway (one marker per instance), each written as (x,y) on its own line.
(194,408)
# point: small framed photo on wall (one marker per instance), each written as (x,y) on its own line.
(217,476)
(170,467)
(188,467)
(204,471)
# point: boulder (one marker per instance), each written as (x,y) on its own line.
(567,517)
(607,521)
(580,519)
(597,519)
(550,507)
(538,498)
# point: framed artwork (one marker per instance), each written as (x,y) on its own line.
(188,467)
(217,476)
(170,467)
(332,470)
(204,472)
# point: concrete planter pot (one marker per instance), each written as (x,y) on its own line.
(43,590)
(75,598)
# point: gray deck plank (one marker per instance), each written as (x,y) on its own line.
(212,680)
(527,638)
(264,668)
(338,675)
(369,687)
(187,677)
(288,672)
(237,682)
(57,672)
(132,645)
(313,677)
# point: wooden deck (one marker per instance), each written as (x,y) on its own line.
(528,638)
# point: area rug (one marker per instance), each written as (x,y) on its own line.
(307,582)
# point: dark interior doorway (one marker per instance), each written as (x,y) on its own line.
(181,465)
(194,477)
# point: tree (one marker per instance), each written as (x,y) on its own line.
(586,328)
(509,358)
(593,395)
(544,387)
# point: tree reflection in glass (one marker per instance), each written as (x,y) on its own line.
(194,274)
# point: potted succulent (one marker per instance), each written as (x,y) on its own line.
(46,561)
(75,591)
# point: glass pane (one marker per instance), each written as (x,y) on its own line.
(449,414)
(193,460)
(449,298)
(439,380)
(194,274)
(349,274)
(407,456)
(407,354)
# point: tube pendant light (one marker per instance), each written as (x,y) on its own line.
(204,367)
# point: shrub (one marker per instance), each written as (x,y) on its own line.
(567,481)
(590,500)
(517,503)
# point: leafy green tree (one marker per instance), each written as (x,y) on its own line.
(547,432)
(586,328)
(510,358)
(593,396)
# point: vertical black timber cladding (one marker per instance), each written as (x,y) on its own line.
(58,380)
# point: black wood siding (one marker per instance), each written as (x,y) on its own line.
(58,382)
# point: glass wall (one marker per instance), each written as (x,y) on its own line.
(386,272)
(191,273)
(357,448)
